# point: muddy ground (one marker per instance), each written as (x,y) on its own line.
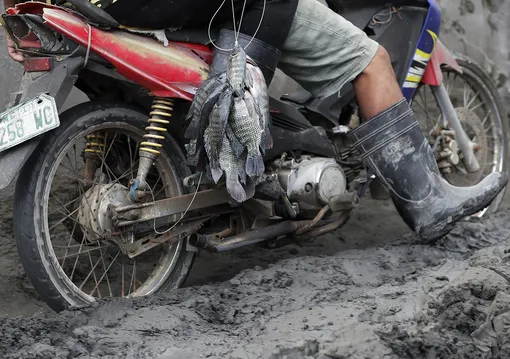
(366,291)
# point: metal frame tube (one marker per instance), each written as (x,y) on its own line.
(450,115)
(137,213)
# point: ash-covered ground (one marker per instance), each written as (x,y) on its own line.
(365,291)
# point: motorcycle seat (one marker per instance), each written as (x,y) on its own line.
(101,18)
(192,36)
(94,14)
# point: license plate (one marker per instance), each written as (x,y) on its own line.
(28,120)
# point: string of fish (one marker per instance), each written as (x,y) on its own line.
(229,122)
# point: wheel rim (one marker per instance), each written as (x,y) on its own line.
(99,269)
(480,117)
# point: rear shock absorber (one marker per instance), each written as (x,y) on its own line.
(159,118)
(94,150)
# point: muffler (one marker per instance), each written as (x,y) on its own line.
(213,244)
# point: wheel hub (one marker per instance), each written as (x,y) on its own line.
(449,156)
(93,213)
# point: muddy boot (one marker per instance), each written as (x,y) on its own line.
(394,147)
(265,56)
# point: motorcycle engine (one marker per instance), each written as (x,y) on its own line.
(312,182)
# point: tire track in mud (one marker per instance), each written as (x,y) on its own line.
(396,300)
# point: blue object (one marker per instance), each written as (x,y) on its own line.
(133,190)
(426,44)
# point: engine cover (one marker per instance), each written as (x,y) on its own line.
(313,181)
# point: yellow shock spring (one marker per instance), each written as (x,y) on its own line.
(93,152)
(95,143)
(162,109)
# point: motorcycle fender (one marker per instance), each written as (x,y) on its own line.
(57,83)
(440,56)
(166,71)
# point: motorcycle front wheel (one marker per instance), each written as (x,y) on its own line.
(483,117)
(56,209)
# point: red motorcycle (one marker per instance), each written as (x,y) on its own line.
(84,231)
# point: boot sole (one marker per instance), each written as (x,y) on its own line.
(438,230)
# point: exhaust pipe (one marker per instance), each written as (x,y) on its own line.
(213,244)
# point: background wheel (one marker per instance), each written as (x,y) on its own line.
(483,117)
(68,262)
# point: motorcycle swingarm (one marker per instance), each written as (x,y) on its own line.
(137,213)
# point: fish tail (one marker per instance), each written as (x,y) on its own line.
(254,164)
(216,173)
(193,130)
(249,188)
(235,189)
(190,113)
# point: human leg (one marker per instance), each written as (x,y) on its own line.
(323,52)
(376,87)
(395,149)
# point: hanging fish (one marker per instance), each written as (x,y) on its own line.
(247,129)
(261,97)
(205,98)
(215,132)
(237,146)
(229,123)
(202,93)
(233,168)
(236,71)
(248,77)
(200,121)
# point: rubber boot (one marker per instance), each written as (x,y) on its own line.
(265,56)
(394,147)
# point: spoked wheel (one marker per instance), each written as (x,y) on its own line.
(482,116)
(67,243)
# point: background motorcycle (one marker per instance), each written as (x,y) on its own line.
(85,225)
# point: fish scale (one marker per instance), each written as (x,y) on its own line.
(204,105)
(232,167)
(200,96)
(230,122)
(252,109)
(237,146)
(197,128)
(247,130)
(215,132)
(261,96)
(236,68)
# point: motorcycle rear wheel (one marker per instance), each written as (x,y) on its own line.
(482,116)
(94,269)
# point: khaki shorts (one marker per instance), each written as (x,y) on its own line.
(324,51)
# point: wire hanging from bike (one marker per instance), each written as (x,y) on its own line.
(152,139)
(238,29)
(229,118)
(391,10)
